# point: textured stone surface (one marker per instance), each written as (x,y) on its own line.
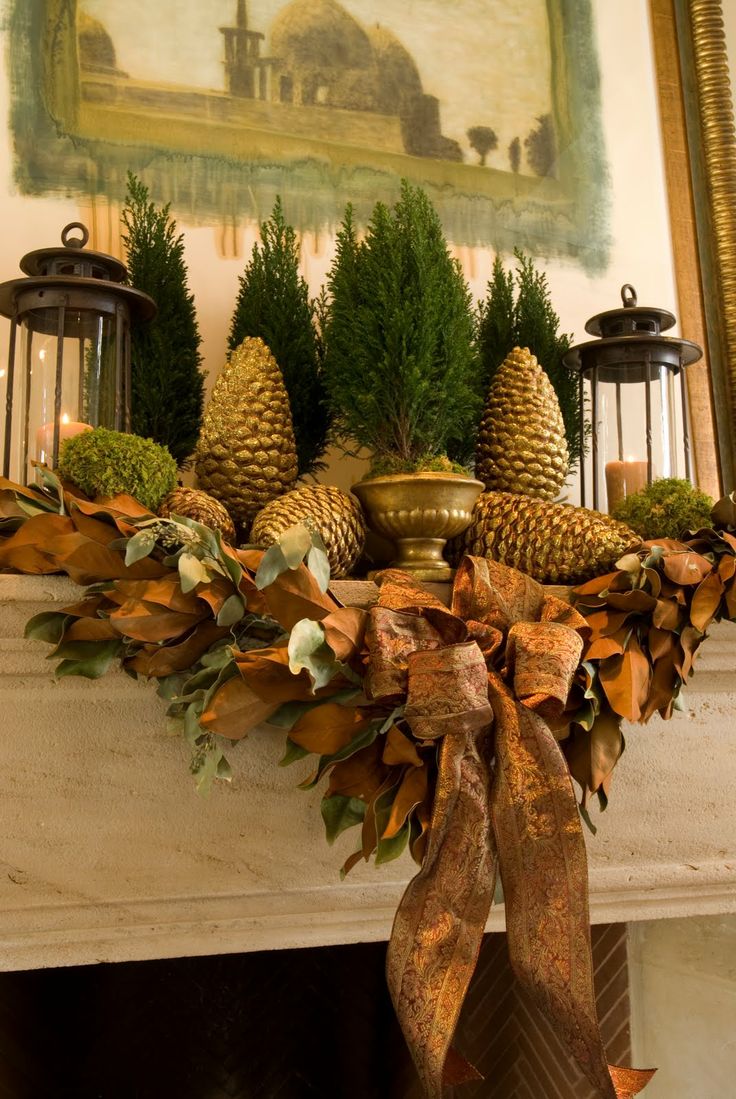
(109,854)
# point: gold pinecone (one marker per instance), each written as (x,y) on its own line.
(192,503)
(246,454)
(521,442)
(335,516)
(554,543)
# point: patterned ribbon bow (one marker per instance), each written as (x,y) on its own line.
(485,676)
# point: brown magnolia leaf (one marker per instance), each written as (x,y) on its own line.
(636,600)
(653,580)
(29,549)
(670,545)
(399,749)
(731,600)
(215,593)
(150,622)
(423,818)
(121,505)
(593,753)
(595,586)
(625,680)
(660,642)
(606,646)
(235,709)
(686,568)
(344,630)
(662,686)
(295,595)
(327,729)
(350,862)
(410,794)
(690,639)
(90,629)
(726,567)
(160,660)
(87,607)
(666,615)
(267,672)
(360,775)
(604,623)
(165,591)
(94,529)
(730,539)
(706,601)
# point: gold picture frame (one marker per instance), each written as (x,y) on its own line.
(697,119)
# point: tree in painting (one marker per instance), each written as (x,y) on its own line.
(483,139)
(515,154)
(540,147)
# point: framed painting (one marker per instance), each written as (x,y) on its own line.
(700,142)
(494,107)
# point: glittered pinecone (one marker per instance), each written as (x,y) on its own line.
(554,543)
(192,503)
(521,442)
(335,516)
(246,454)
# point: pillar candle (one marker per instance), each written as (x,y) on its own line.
(45,436)
(624,478)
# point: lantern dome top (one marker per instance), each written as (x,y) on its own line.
(73,259)
(632,319)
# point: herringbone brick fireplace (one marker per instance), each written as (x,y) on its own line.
(291,1024)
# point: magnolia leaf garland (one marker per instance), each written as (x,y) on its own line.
(240,637)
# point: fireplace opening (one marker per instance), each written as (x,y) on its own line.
(290,1024)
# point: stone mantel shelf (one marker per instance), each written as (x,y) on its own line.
(108,854)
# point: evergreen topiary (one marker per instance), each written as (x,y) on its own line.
(106,463)
(167,377)
(401,370)
(667,508)
(274,303)
(518,312)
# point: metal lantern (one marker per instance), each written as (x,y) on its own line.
(69,350)
(633,409)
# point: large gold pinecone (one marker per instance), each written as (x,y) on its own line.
(246,454)
(192,503)
(335,516)
(554,543)
(521,442)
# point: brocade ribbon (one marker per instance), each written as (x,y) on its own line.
(484,677)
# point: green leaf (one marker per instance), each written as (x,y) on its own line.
(273,563)
(390,849)
(218,656)
(191,572)
(308,649)
(94,665)
(295,544)
(139,546)
(293,753)
(319,566)
(340,812)
(231,611)
(47,626)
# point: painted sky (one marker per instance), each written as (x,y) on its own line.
(488,61)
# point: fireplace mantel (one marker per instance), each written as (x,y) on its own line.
(108,853)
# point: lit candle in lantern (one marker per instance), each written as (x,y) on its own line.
(45,436)
(623,478)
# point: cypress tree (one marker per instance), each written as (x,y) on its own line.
(273,303)
(400,366)
(518,312)
(167,375)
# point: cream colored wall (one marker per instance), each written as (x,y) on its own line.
(641,252)
(683,991)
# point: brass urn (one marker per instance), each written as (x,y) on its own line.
(418,512)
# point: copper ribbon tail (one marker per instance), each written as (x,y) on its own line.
(440,921)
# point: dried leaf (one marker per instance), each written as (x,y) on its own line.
(686,568)
(163,660)
(326,729)
(296,595)
(625,680)
(706,601)
(410,794)
(361,775)
(235,709)
(145,621)
(666,615)
(344,630)
(660,642)
(593,754)
(400,749)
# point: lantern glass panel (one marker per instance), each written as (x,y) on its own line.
(83,361)
(634,446)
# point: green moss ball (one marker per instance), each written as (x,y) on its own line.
(665,509)
(105,463)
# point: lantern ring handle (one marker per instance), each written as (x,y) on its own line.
(628,295)
(74,242)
